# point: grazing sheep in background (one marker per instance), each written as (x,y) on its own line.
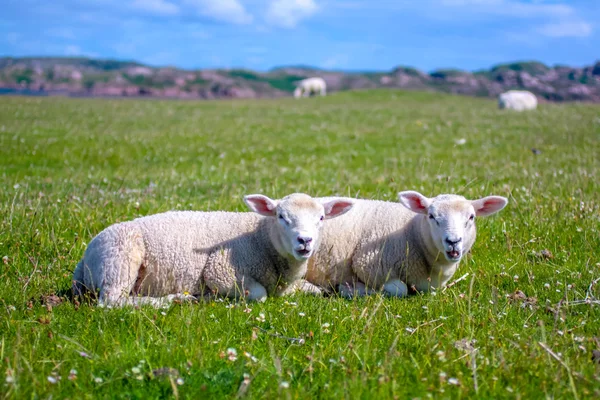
(310,86)
(418,242)
(235,254)
(518,100)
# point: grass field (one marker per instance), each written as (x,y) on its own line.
(69,168)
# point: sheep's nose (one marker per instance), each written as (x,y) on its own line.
(453,241)
(304,239)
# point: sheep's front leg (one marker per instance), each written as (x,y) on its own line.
(252,290)
(301,285)
(396,288)
(355,288)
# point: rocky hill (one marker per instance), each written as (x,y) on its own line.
(93,77)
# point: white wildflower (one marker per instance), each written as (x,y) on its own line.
(231,354)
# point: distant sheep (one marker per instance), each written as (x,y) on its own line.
(310,86)
(418,243)
(234,254)
(518,100)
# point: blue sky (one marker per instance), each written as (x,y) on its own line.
(332,34)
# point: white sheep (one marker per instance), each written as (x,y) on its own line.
(518,100)
(418,242)
(156,258)
(309,86)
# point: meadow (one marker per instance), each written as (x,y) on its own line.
(523,323)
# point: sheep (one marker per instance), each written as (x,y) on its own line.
(235,254)
(418,242)
(309,86)
(518,100)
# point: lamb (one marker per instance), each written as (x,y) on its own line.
(518,100)
(309,86)
(417,243)
(235,254)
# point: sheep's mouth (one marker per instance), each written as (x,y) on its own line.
(453,255)
(304,253)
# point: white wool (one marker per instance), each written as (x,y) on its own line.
(229,253)
(309,86)
(518,100)
(385,245)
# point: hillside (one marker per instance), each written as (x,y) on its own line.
(93,77)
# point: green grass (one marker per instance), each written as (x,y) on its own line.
(70,168)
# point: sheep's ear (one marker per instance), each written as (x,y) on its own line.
(261,204)
(489,205)
(414,201)
(337,207)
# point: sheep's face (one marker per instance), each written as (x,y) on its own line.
(451,219)
(299,220)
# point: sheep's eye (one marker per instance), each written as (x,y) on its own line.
(431,216)
(472,217)
(281,217)
(322,217)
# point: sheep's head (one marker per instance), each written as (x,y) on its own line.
(298,92)
(451,219)
(299,220)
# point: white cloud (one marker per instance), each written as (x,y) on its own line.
(566,29)
(512,8)
(231,11)
(560,19)
(159,7)
(287,13)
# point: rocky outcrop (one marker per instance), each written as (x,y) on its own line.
(91,77)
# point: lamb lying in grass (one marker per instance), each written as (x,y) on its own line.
(384,245)
(518,100)
(251,254)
